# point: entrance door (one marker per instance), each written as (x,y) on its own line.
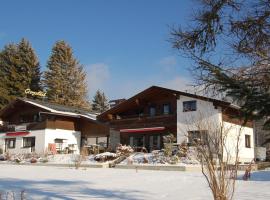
(154,142)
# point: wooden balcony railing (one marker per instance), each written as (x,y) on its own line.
(144,121)
(22,126)
(141,117)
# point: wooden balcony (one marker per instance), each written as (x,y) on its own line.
(23,126)
(136,121)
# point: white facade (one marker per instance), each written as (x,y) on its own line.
(207,117)
(246,154)
(42,139)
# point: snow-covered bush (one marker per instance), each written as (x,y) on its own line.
(145,159)
(7,156)
(18,160)
(106,156)
(2,158)
(33,160)
(130,160)
(182,150)
(168,144)
(174,160)
(124,150)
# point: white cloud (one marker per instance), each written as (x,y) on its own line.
(97,75)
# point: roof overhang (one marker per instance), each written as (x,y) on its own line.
(47,110)
(156,90)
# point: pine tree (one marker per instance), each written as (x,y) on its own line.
(29,65)
(19,70)
(100,102)
(10,68)
(228,43)
(65,79)
(5,72)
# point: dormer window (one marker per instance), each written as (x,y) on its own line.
(189,106)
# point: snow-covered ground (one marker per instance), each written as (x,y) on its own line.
(62,159)
(43,182)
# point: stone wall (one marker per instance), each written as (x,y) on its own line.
(114,138)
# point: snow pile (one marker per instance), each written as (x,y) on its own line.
(158,157)
(106,156)
(20,158)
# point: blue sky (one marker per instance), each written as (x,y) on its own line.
(122,44)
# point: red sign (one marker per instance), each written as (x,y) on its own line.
(14,134)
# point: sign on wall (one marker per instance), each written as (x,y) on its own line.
(20,127)
(33,93)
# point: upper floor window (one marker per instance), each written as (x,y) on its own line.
(152,111)
(197,137)
(189,106)
(247,141)
(166,109)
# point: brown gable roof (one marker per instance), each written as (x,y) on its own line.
(153,90)
(50,108)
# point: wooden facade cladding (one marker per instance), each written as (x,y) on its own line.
(21,111)
(144,122)
(232,116)
(135,114)
(62,123)
(91,129)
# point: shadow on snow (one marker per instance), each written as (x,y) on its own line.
(257,176)
(61,189)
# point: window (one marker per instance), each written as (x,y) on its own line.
(59,144)
(28,142)
(102,141)
(247,141)
(137,141)
(152,111)
(154,142)
(166,109)
(36,118)
(189,106)
(197,137)
(10,143)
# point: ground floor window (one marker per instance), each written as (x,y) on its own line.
(149,141)
(29,142)
(10,143)
(154,142)
(137,141)
(247,141)
(195,137)
(59,144)
(102,141)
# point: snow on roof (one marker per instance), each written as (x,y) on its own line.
(53,108)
